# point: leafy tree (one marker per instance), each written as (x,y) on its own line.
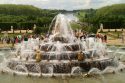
(38,30)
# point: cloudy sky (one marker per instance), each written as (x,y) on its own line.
(64,4)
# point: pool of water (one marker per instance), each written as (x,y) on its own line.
(111,78)
(118,77)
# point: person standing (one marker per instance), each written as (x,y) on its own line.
(105,38)
(122,37)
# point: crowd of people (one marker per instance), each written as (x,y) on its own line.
(27,37)
(18,39)
(102,37)
(83,35)
(24,37)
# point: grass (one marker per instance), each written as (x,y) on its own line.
(113,34)
(115,45)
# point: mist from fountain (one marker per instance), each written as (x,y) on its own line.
(62,28)
(21,68)
(76,70)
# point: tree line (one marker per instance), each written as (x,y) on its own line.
(110,16)
(25,16)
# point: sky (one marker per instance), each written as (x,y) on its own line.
(64,4)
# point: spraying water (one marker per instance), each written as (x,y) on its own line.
(61,54)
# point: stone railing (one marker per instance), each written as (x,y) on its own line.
(18,31)
(107,30)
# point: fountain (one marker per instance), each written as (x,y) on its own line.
(60,54)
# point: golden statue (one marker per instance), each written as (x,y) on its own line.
(80,56)
(38,56)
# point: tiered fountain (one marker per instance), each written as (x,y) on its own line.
(61,54)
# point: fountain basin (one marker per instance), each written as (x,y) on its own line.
(58,67)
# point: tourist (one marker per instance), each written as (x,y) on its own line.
(122,37)
(105,38)
(82,36)
(97,35)
(12,41)
(101,37)
(77,34)
(16,41)
(19,38)
(25,38)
